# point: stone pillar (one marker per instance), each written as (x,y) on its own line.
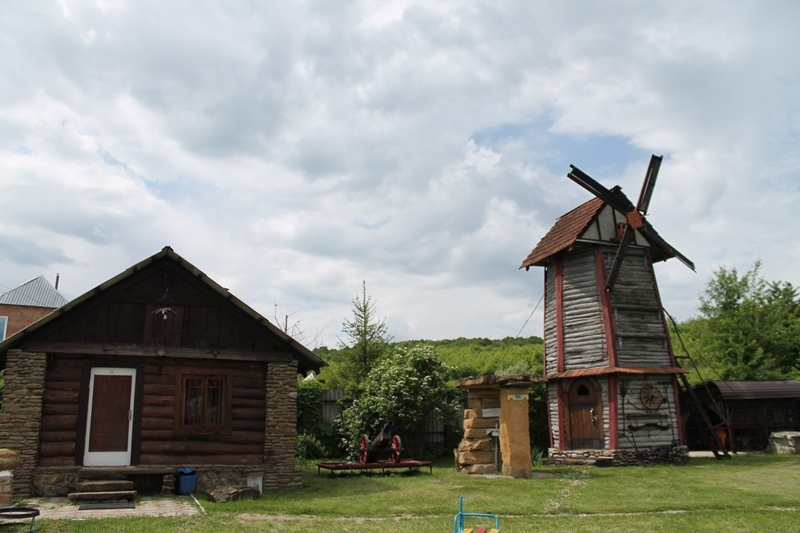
(6,485)
(280,437)
(21,414)
(477,454)
(515,443)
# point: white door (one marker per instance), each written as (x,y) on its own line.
(109,421)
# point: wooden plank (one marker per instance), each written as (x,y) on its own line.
(239,437)
(248,425)
(158,411)
(60,409)
(137,350)
(59,422)
(251,403)
(200,460)
(57,449)
(246,413)
(58,436)
(158,423)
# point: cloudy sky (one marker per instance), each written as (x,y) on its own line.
(291,150)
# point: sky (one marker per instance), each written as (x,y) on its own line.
(294,150)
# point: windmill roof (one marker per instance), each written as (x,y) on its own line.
(570,227)
(564,233)
(38,292)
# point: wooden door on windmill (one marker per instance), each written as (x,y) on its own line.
(585,427)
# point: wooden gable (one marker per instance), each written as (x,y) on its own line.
(164,306)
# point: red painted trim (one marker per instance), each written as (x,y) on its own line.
(613,413)
(560,312)
(605,303)
(678,416)
(562,436)
(544,333)
(549,417)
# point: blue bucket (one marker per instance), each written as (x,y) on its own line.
(185,481)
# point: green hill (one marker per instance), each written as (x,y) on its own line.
(472,357)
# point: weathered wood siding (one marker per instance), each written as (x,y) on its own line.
(584,333)
(159,442)
(552,411)
(550,330)
(604,395)
(640,427)
(130,314)
(639,328)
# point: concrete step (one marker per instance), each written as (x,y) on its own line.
(102,496)
(100,474)
(103,486)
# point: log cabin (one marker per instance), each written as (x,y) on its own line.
(156,369)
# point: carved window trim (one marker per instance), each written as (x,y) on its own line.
(208,392)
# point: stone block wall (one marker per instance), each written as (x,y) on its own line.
(280,440)
(678,455)
(477,453)
(21,413)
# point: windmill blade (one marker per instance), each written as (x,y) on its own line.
(627,235)
(649,184)
(588,183)
(651,235)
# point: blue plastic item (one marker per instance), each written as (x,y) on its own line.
(458,520)
(185,481)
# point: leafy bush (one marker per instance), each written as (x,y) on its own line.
(403,387)
(308,446)
(314,436)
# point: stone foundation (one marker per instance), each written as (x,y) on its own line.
(58,482)
(678,455)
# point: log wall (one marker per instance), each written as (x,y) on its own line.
(161,440)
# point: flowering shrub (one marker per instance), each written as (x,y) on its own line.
(404,387)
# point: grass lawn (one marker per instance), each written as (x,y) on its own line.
(748,493)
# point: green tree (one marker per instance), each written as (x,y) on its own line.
(367,340)
(749,328)
(404,387)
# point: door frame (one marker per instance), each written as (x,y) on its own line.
(82,440)
(111,458)
(594,387)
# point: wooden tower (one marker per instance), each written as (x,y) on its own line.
(612,376)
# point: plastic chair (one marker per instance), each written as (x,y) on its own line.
(458,520)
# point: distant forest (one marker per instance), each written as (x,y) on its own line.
(473,357)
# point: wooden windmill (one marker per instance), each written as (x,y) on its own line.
(612,387)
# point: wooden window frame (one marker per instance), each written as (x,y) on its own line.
(180,402)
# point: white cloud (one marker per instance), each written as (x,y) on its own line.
(293,150)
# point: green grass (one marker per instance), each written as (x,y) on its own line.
(748,493)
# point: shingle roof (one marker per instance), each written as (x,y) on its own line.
(756,390)
(38,292)
(566,229)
